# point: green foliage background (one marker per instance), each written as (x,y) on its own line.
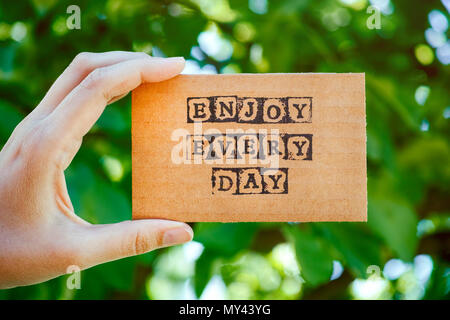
(408,132)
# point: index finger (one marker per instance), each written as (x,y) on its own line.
(82,107)
(83,64)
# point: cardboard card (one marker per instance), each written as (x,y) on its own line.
(250,147)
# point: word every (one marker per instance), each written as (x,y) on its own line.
(256,146)
(241,181)
(249,109)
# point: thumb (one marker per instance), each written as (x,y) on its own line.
(103,243)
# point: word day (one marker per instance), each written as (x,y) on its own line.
(241,181)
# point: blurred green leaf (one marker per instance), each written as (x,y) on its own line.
(9,119)
(439,286)
(225,238)
(96,200)
(355,245)
(396,224)
(119,274)
(313,255)
(203,271)
(112,120)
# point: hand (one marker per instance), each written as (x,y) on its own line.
(40,234)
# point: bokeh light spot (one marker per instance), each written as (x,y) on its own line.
(424,54)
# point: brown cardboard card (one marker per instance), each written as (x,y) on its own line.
(250,147)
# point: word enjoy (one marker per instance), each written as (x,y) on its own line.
(249,109)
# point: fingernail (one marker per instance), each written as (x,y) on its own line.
(177,236)
(177,59)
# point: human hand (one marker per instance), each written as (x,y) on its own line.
(40,234)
